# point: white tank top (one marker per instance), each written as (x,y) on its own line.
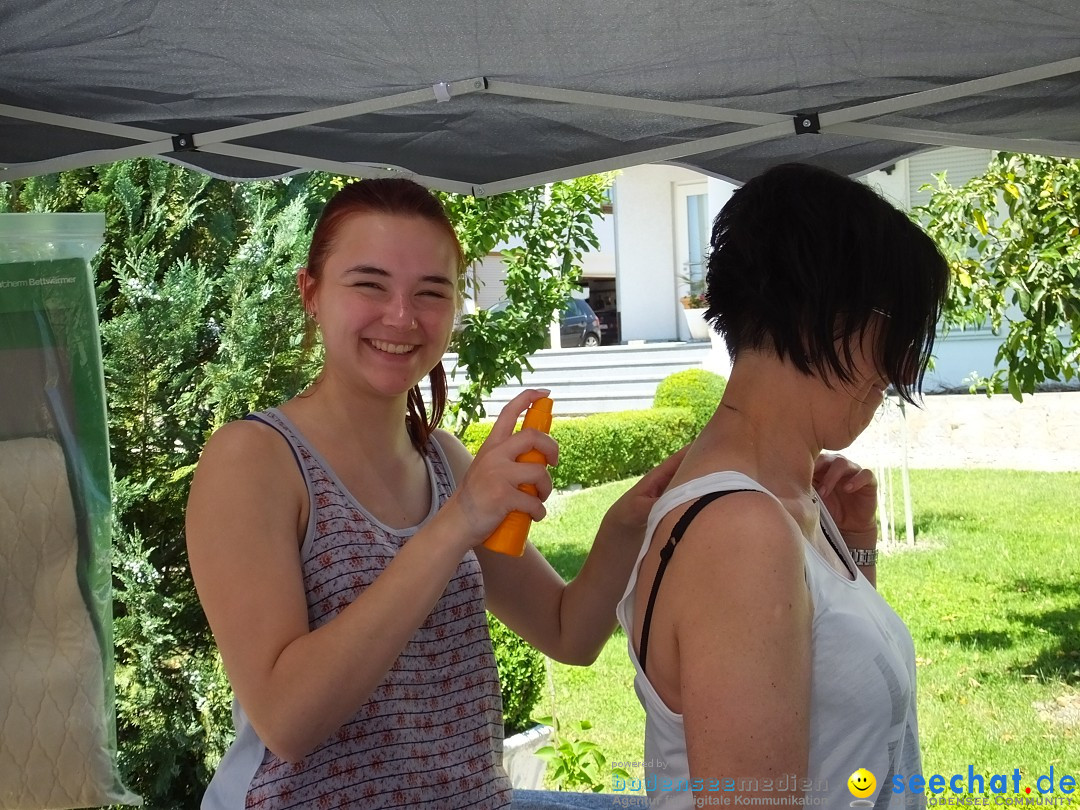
(862,691)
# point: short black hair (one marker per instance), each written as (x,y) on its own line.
(801,256)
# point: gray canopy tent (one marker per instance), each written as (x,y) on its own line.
(483,97)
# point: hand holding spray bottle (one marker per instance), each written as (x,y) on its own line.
(510,535)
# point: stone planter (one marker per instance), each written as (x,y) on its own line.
(695,322)
(525,769)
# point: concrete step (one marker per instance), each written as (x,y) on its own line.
(644,355)
(598,380)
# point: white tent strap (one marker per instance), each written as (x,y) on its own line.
(1031,146)
(156,145)
(308,163)
(751,118)
(647,105)
(84,124)
(950,92)
(306,119)
(778,126)
(80,160)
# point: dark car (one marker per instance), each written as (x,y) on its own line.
(579,324)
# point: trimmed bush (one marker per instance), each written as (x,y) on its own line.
(521,675)
(694,388)
(610,446)
(607,447)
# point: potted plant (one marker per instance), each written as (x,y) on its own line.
(694,300)
(694,305)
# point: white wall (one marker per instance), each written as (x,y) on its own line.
(891,183)
(645,250)
(601,263)
(719,193)
(960,355)
(639,250)
(490,271)
(489,274)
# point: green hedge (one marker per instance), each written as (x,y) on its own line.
(521,675)
(695,388)
(607,447)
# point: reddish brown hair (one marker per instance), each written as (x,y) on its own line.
(399,197)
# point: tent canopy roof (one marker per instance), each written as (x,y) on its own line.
(482,97)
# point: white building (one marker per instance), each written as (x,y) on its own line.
(653,240)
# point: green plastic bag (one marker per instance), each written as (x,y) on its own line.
(57,706)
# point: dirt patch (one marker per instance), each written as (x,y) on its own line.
(1064,710)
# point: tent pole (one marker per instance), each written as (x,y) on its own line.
(909,135)
(646,105)
(950,92)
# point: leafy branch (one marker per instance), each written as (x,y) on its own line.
(1011,238)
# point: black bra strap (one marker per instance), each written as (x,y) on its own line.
(665,557)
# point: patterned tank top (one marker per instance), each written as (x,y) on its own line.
(431,733)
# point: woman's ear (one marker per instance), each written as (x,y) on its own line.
(306,284)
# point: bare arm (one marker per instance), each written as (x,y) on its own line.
(569,622)
(742,620)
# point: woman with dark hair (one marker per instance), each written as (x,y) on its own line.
(769,667)
(334,543)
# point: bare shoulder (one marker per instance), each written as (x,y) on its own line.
(457,454)
(245,441)
(740,538)
(740,513)
(738,662)
(246,469)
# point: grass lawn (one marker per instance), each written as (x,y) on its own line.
(991,594)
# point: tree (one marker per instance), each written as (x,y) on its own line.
(555,226)
(1011,238)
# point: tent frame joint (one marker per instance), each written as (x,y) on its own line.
(807,123)
(184,142)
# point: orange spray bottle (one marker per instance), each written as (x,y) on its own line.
(509,536)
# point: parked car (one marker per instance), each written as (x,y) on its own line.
(579,325)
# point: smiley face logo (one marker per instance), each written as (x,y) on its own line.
(861,783)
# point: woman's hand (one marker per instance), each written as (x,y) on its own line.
(489,490)
(629,515)
(571,622)
(849,492)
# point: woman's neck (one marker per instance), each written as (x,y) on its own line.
(766,421)
(342,415)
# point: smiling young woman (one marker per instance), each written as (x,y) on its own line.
(334,542)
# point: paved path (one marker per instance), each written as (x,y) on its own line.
(964,431)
